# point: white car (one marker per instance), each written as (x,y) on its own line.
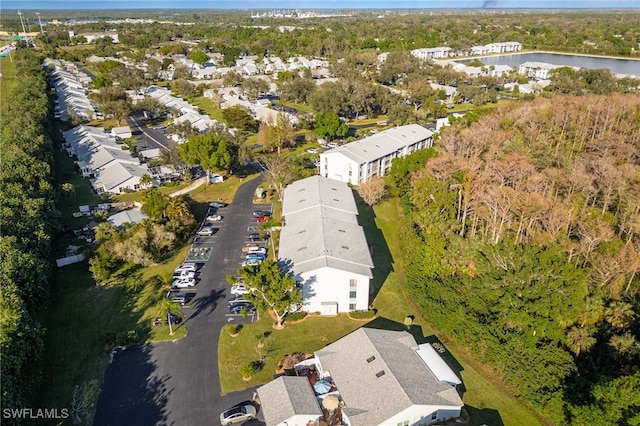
(184,275)
(214,218)
(251,262)
(240,289)
(313,150)
(257,250)
(238,414)
(183,283)
(186,267)
(206,231)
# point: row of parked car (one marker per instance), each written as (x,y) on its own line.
(185,276)
(207,229)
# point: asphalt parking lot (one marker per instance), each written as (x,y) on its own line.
(177,383)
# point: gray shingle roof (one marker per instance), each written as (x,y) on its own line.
(287,396)
(321,228)
(318,190)
(319,237)
(356,363)
(383,143)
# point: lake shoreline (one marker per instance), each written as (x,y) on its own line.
(618,66)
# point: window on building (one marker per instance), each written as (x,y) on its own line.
(352,306)
(353,282)
(405,423)
(353,294)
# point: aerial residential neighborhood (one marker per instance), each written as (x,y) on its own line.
(394,217)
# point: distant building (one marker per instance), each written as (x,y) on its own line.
(537,70)
(359,161)
(432,53)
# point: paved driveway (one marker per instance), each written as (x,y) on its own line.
(147,137)
(177,383)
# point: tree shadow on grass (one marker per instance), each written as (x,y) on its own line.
(378,248)
(483,416)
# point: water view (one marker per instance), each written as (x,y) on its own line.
(616,66)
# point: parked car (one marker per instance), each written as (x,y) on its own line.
(238,307)
(255,236)
(206,231)
(251,262)
(238,414)
(240,289)
(256,250)
(214,218)
(218,204)
(177,297)
(255,256)
(249,247)
(262,219)
(259,213)
(175,319)
(183,283)
(313,150)
(238,298)
(183,275)
(186,267)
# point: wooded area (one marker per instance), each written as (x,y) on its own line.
(28,221)
(522,240)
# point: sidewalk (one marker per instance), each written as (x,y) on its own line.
(196,183)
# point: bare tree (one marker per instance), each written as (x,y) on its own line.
(372,191)
(278,170)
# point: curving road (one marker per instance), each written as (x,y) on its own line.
(177,383)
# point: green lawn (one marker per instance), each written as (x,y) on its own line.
(7,81)
(299,107)
(307,336)
(209,108)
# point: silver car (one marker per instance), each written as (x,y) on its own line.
(238,414)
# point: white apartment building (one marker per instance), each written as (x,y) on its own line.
(359,161)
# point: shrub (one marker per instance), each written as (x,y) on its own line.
(126,338)
(297,316)
(363,314)
(247,370)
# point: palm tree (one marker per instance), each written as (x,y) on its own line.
(178,209)
(579,339)
(619,314)
(166,306)
(625,344)
(146,180)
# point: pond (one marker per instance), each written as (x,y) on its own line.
(615,65)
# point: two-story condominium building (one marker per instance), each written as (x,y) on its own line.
(537,70)
(432,52)
(324,247)
(359,161)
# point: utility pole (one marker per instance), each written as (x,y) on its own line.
(24,30)
(40,22)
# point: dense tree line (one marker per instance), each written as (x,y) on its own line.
(607,32)
(28,221)
(522,241)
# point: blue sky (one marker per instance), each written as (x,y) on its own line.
(311,4)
